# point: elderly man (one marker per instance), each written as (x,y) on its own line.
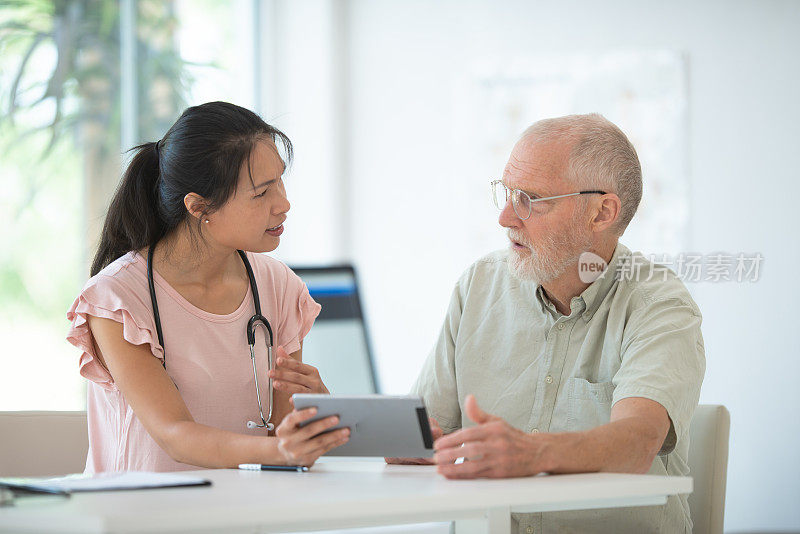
(542,367)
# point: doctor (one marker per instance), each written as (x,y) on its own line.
(177,285)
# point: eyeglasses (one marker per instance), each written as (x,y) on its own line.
(522,201)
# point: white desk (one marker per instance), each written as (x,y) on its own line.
(334,495)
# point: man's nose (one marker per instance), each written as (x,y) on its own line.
(508,217)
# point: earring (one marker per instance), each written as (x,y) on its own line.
(206,221)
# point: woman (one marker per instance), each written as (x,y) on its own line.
(186,206)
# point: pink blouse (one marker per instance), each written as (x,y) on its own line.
(208,357)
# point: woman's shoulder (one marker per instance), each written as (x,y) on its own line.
(273,273)
(274,269)
(120,293)
(293,303)
(126,274)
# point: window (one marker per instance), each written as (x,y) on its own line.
(81,82)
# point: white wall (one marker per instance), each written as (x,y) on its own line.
(411,238)
(301,97)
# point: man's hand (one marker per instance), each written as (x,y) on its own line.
(436,432)
(492,449)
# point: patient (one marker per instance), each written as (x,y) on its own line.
(541,365)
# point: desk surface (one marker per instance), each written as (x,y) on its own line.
(334,494)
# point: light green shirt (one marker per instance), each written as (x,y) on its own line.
(634,332)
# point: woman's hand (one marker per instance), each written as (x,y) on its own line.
(303,445)
(291,376)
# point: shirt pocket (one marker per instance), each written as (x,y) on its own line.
(588,403)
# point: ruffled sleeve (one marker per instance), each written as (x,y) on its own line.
(298,313)
(105,297)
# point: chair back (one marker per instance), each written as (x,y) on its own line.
(708,466)
(42,443)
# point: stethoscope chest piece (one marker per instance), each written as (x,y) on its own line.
(254,322)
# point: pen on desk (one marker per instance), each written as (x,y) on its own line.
(264,467)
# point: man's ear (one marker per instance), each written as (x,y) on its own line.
(606,212)
(195,205)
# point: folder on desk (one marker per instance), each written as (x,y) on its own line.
(127,480)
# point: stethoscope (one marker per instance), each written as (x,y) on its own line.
(256,320)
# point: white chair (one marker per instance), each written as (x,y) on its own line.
(708,465)
(42,443)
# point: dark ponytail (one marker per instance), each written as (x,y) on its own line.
(201,153)
(132,221)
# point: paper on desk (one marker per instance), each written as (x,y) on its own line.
(128,480)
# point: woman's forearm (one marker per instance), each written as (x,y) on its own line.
(204,446)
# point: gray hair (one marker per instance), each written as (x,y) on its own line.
(601,157)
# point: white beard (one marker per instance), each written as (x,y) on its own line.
(550,258)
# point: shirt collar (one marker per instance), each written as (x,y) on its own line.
(592,296)
(544,302)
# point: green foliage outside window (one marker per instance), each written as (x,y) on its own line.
(60,153)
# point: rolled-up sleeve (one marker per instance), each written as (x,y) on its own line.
(663,359)
(436,383)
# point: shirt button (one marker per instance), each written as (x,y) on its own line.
(535,430)
(548,379)
(529,530)
(561,326)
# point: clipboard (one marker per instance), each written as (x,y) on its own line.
(119,481)
(380,425)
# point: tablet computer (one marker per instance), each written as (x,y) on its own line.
(380,425)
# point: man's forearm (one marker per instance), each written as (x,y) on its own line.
(624,446)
